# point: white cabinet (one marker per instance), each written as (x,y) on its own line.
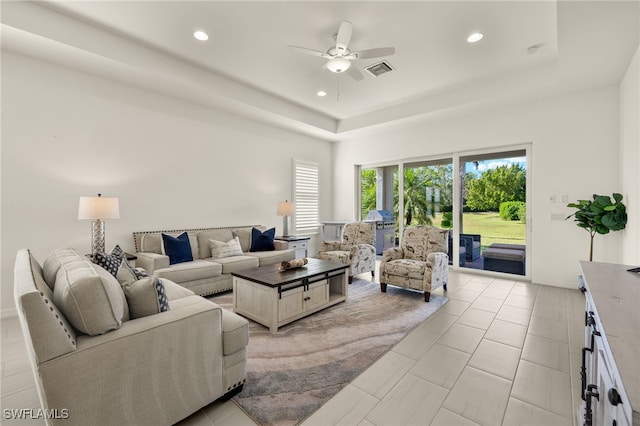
(610,362)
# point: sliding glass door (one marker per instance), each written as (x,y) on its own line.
(483,204)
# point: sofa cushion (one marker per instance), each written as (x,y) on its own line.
(244,235)
(90,297)
(175,291)
(56,259)
(190,271)
(503,254)
(262,241)
(271,257)
(409,268)
(177,248)
(211,234)
(146,297)
(336,256)
(235,332)
(152,242)
(237,263)
(226,249)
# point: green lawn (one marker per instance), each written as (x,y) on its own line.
(491,227)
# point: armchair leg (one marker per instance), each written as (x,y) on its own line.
(350,279)
(427,295)
(373,274)
(444,286)
(383,287)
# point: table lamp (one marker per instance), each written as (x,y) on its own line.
(285,209)
(97,209)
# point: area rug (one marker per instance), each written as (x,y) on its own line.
(293,372)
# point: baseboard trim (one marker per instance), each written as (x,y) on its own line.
(8,313)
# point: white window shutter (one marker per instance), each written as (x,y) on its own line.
(306,196)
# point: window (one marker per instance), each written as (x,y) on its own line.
(305,196)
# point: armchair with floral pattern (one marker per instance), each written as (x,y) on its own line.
(356,248)
(420,263)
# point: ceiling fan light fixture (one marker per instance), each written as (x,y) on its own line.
(475,37)
(338,64)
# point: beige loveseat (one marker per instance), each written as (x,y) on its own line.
(205,275)
(153,370)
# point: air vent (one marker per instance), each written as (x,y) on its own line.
(380,68)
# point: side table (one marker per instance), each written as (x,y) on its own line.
(299,244)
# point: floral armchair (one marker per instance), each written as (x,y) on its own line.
(420,263)
(356,249)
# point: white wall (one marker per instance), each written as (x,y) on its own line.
(575,151)
(172,164)
(630,159)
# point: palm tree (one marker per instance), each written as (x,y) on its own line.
(416,204)
(368,184)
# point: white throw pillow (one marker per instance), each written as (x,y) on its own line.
(228,249)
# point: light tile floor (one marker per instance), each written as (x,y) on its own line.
(499,352)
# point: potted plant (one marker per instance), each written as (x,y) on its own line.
(600,215)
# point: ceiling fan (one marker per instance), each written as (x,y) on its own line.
(340,57)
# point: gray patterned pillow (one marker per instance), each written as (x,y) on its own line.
(146,297)
(228,249)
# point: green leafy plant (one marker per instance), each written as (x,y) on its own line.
(447,220)
(510,210)
(600,215)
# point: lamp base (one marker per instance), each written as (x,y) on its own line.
(285,226)
(97,236)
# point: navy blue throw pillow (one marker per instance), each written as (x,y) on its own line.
(262,241)
(178,249)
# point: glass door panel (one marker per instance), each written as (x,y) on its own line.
(493,215)
(428,194)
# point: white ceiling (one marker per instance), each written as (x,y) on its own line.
(580,44)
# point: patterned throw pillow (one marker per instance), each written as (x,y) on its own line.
(162,295)
(228,249)
(108,262)
(118,252)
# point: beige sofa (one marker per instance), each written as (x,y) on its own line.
(155,369)
(204,275)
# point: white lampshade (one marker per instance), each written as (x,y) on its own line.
(285,208)
(98,208)
(338,64)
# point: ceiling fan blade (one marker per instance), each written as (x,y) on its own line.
(344,36)
(354,73)
(308,51)
(315,72)
(372,53)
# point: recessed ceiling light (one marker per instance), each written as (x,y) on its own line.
(201,35)
(475,37)
(321,93)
